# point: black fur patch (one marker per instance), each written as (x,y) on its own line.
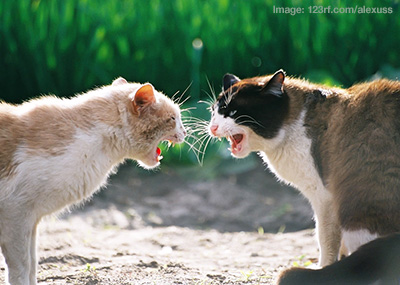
(377,261)
(255,105)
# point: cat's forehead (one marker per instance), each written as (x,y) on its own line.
(167,104)
(240,90)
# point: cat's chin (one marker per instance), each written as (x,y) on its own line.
(239,145)
(240,154)
(148,164)
(151,160)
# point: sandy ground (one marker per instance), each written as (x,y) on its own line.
(164,228)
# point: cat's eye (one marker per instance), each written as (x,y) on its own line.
(172,118)
(231,113)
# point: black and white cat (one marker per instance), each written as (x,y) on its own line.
(339,147)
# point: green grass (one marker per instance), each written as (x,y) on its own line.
(251,277)
(302,261)
(70,46)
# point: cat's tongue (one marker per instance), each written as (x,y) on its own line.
(159,156)
(235,141)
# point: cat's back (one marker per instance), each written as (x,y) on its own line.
(357,133)
(377,96)
(10,131)
(363,157)
(372,111)
(39,126)
(7,115)
(380,86)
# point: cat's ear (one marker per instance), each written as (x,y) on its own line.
(143,98)
(229,80)
(275,84)
(119,81)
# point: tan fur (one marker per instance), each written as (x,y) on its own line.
(46,125)
(56,152)
(343,252)
(360,157)
(9,134)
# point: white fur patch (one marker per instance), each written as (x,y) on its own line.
(354,239)
(288,155)
(221,126)
(225,125)
(54,182)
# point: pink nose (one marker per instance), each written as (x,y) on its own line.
(214,129)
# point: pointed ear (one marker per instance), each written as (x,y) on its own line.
(229,80)
(119,81)
(275,84)
(143,98)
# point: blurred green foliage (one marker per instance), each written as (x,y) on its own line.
(70,46)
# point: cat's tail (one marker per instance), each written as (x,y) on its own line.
(377,261)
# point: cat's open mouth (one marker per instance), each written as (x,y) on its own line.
(236,142)
(158,155)
(171,140)
(153,158)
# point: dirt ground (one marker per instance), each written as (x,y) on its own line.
(166,227)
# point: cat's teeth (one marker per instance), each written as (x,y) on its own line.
(160,157)
(171,143)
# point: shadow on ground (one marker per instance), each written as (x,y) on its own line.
(248,201)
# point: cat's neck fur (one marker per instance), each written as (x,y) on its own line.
(291,145)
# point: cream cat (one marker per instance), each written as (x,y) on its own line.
(339,147)
(56,152)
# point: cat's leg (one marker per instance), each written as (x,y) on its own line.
(33,267)
(16,247)
(328,233)
(343,252)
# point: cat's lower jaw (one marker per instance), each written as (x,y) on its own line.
(152,159)
(239,145)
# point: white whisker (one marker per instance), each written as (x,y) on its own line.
(173,96)
(178,100)
(250,120)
